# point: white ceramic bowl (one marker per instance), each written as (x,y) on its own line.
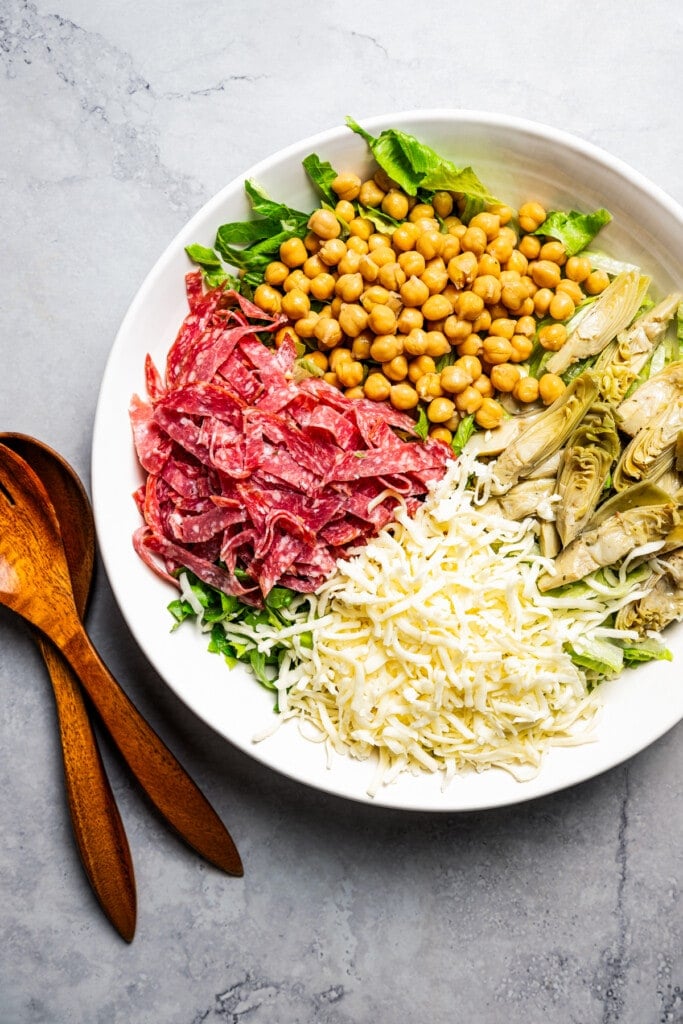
(518,160)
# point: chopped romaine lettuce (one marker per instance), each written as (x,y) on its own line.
(322,174)
(575,230)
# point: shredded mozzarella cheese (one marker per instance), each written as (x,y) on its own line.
(433,649)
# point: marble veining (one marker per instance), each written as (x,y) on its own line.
(118,122)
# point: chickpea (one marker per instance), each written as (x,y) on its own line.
(358,245)
(596,282)
(522,347)
(440,409)
(381,320)
(353,319)
(443,204)
(487,287)
(419,366)
(395,204)
(441,434)
(554,251)
(421,211)
(456,329)
(470,305)
(501,249)
(462,269)
(531,216)
(368,269)
(526,325)
(527,307)
(454,379)
(349,287)
(489,415)
(331,379)
(305,326)
(377,388)
(496,350)
(403,397)
(542,300)
(550,387)
(392,276)
(350,373)
(468,401)
(474,240)
(313,266)
(404,237)
(386,347)
(482,322)
(370,193)
(328,332)
(503,212)
(429,386)
(513,296)
(437,344)
(349,263)
(529,283)
(296,304)
(435,276)
(415,343)
(412,262)
(322,287)
(332,251)
(396,369)
(346,186)
(276,273)
(355,393)
(344,210)
(360,346)
(577,268)
(546,274)
(450,248)
(429,244)
(337,357)
(269,300)
(488,265)
(471,365)
(293,253)
(318,359)
(471,346)
(561,306)
(484,386)
(526,390)
(360,227)
(530,246)
(572,289)
(335,306)
(437,307)
(409,319)
(552,337)
(382,254)
(324,224)
(517,262)
(489,224)
(503,327)
(373,295)
(504,376)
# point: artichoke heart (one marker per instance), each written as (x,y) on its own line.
(609,543)
(652,452)
(546,434)
(528,498)
(658,392)
(622,360)
(611,312)
(664,602)
(586,461)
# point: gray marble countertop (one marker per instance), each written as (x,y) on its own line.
(118,121)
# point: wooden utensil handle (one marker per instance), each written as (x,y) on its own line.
(165,781)
(97,824)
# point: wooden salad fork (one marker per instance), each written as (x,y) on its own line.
(97,826)
(35,583)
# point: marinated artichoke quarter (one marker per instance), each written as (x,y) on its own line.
(586,462)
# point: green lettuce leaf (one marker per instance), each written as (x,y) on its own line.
(575,230)
(462,435)
(413,165)
(322,174)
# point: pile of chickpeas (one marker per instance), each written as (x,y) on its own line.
(390,306)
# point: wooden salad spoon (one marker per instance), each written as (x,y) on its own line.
(35,582)
(97,826)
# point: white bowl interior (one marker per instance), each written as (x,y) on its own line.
(518,160)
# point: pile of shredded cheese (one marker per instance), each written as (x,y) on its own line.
(434,650)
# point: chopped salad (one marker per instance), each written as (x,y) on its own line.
(417,459)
